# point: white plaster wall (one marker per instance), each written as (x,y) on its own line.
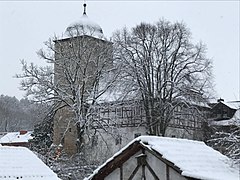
(106,142)
(128,168)
(184,133)
(157,165)
(130,165)
(128,133)
(149,174)
(179,133)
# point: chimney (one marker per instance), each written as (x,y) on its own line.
(220,100)
(22,132)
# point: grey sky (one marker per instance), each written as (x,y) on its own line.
(25,25)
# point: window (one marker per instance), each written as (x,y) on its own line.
(70,44)
(119,112)
(118,140)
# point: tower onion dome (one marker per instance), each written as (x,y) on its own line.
(84,26)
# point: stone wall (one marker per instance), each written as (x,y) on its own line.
(77,62)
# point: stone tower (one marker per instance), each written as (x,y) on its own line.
(78,58)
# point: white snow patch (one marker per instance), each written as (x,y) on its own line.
(16,137)
(84,26)
(194,158)
(21,163)
(232,105)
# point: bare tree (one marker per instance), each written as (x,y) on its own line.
(225,136)
(80,70)
(164,68)
(227,142)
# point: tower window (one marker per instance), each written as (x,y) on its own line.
(70,45)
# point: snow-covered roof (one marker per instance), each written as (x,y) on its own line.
(194,158)
(230,104)
(235,120)
(84,26)
(233,104)
(16,137)
(21,163)
(200,102)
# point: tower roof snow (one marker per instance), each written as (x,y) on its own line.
(84,26)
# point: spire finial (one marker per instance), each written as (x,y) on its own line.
(84,10)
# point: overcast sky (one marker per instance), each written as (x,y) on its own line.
(25,25)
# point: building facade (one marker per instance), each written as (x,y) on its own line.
(78,57)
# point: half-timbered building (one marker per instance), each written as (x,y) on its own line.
(119,122)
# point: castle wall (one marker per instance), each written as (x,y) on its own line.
(77,61)
(65,132)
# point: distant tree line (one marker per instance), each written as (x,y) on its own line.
(20,114)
